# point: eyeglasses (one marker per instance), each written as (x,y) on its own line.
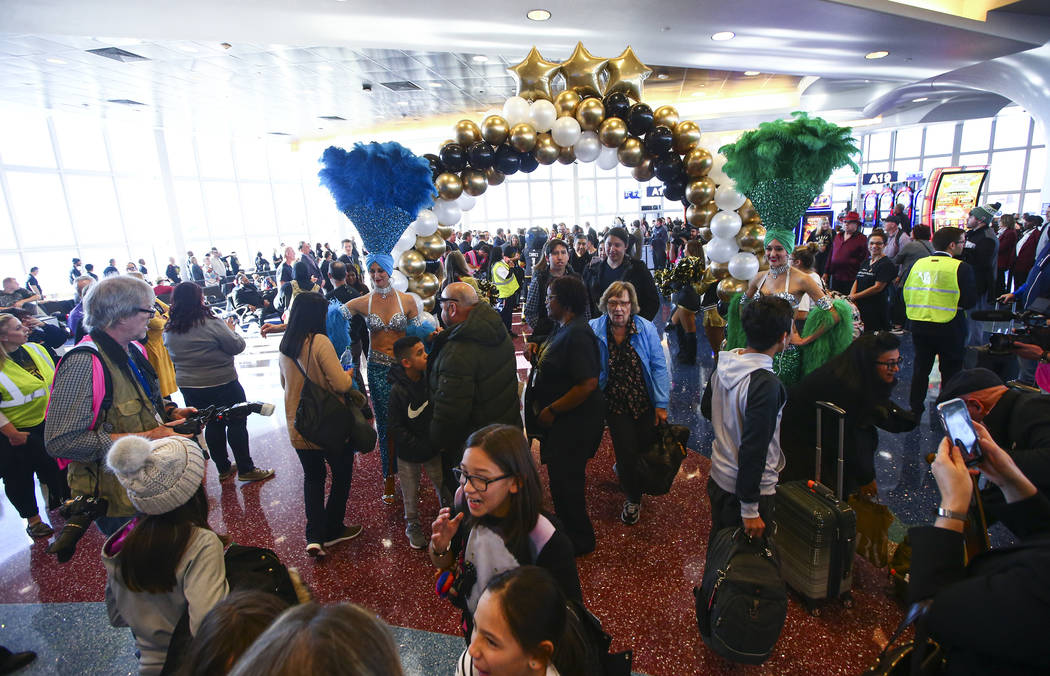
(618,303)
(892,364)
(478,483)
(150,311)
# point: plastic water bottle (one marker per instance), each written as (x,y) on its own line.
(347,359)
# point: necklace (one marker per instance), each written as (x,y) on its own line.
(384,291)
(778,270)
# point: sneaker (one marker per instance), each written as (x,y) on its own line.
(898,331)
(631,512)
(349,533)
(314,550)
(223,476)
(257,474)
(417,539)
(40,530)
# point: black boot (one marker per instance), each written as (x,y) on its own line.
(687,349)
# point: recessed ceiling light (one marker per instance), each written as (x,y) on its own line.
(58,62)
(876,55)
(538,14)
(435,85)
(479,58)
(920,99)
(723,35)
(751,73)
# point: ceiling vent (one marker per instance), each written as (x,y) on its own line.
(403,86)
(125,102)
(118,54)
(333,118)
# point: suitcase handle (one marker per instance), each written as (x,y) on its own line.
(841,415)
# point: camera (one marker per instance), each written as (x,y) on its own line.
(1033,327)
(79,513)
(196,422)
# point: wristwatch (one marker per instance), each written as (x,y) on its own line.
(949,514)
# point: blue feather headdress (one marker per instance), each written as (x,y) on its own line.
(381,187)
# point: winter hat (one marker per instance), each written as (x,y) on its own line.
(159,475)
(987,212)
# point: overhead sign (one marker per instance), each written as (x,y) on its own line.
(822,201)
(651,207)
(880,178)
(630,195)
(654,191)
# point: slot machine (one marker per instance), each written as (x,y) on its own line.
(905,196)
(870,203)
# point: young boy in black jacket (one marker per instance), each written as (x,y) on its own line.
(408,426)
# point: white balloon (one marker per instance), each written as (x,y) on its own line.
(399,281)
(566,131)
(418,300)
(408,239)
(607,159)
(424,228)
(725,224)
(516,110)
(427,216)
(727,197)
(466,202)
(588,147)
(720,250)
(743,265)
(448,212)
(542,115)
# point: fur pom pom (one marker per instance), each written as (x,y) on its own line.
(128,454)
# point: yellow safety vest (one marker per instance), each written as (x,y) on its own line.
(23,396)
(931,292)
(508,286)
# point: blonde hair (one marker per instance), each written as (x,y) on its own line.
(615,289)
(5,319)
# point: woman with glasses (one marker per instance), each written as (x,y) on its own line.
(871,290)
(497,523)
(860,381)
(202,348)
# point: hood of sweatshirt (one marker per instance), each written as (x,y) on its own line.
(735,365)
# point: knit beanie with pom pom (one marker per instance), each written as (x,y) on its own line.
(159,475)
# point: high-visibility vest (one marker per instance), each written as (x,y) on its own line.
(23,396)
(506,287)
(931,292)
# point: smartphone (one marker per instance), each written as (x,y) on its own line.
(959,428)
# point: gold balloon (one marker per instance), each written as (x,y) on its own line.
(582,71)
(747,211)
(626,74)
(494,176)
(751,238)
(720,271)
(643,173)
(432,247)
(754,220)
(474,182)
(631,152)
(430,303)
(590,114)
(686,136)
(565,102)
(697,163)
(449,186)
(705,234)
(700,216)
(763,264)
(523,137)
(729,287)
(426,285)
(494,129)
(546,151)
(700,191)
(412,262)
(534,76)
(665,116)
(613,132)
(445,232)
(566,155)
(467,132)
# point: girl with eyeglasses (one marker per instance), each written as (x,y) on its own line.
(497,523)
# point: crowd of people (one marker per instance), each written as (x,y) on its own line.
(443,394)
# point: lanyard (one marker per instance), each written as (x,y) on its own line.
(141,378)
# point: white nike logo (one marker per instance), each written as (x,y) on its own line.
(414,412)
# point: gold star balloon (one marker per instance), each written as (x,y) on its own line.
(582,71)
(534,76)
(626,74)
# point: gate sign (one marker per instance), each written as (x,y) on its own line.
(880,178)
(654,191)
(630,194)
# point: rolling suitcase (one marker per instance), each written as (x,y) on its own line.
(817,531)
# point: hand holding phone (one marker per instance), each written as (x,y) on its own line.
(958,426)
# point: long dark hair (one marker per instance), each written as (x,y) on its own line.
(856,371)
(495,256)
(187,308)
(351,270)
(302,276)
(543,265)
(309,316)
(509,450)
(154,547)
(228,630)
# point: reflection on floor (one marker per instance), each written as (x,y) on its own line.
(639,581)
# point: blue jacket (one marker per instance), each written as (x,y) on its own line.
(646,342)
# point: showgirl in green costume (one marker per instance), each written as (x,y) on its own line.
(781,167)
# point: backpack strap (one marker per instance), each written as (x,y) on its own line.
(101,380)
(540,535)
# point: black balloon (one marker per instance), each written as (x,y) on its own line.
(507,159)
(639,119)
(675,190)
(527,162)
(454,158)
(481,155)
(617,105)
(659,140)
(668,168)
(686,202)
(436,167)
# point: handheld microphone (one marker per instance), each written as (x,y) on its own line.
(991,315)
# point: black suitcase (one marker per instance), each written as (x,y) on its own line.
(816,532)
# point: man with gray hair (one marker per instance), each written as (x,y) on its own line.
(472,373)
(15,296)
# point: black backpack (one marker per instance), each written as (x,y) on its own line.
(258,569)
(742,602)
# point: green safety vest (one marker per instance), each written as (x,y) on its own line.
(931,292)
(508,286)
(23,396)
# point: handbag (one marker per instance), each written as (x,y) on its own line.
(873,529)
(658,464)
(329,420)
(921,657)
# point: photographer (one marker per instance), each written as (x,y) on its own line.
(1036,286)
(105,389)
(988,614)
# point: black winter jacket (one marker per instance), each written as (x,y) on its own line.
(409,413)
(633,271)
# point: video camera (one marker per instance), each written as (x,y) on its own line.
(1033,327)
(79,512)
(196,422)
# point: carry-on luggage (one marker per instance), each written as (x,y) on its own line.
(817,531)
(741,603)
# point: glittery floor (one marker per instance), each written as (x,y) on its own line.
(639,580)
